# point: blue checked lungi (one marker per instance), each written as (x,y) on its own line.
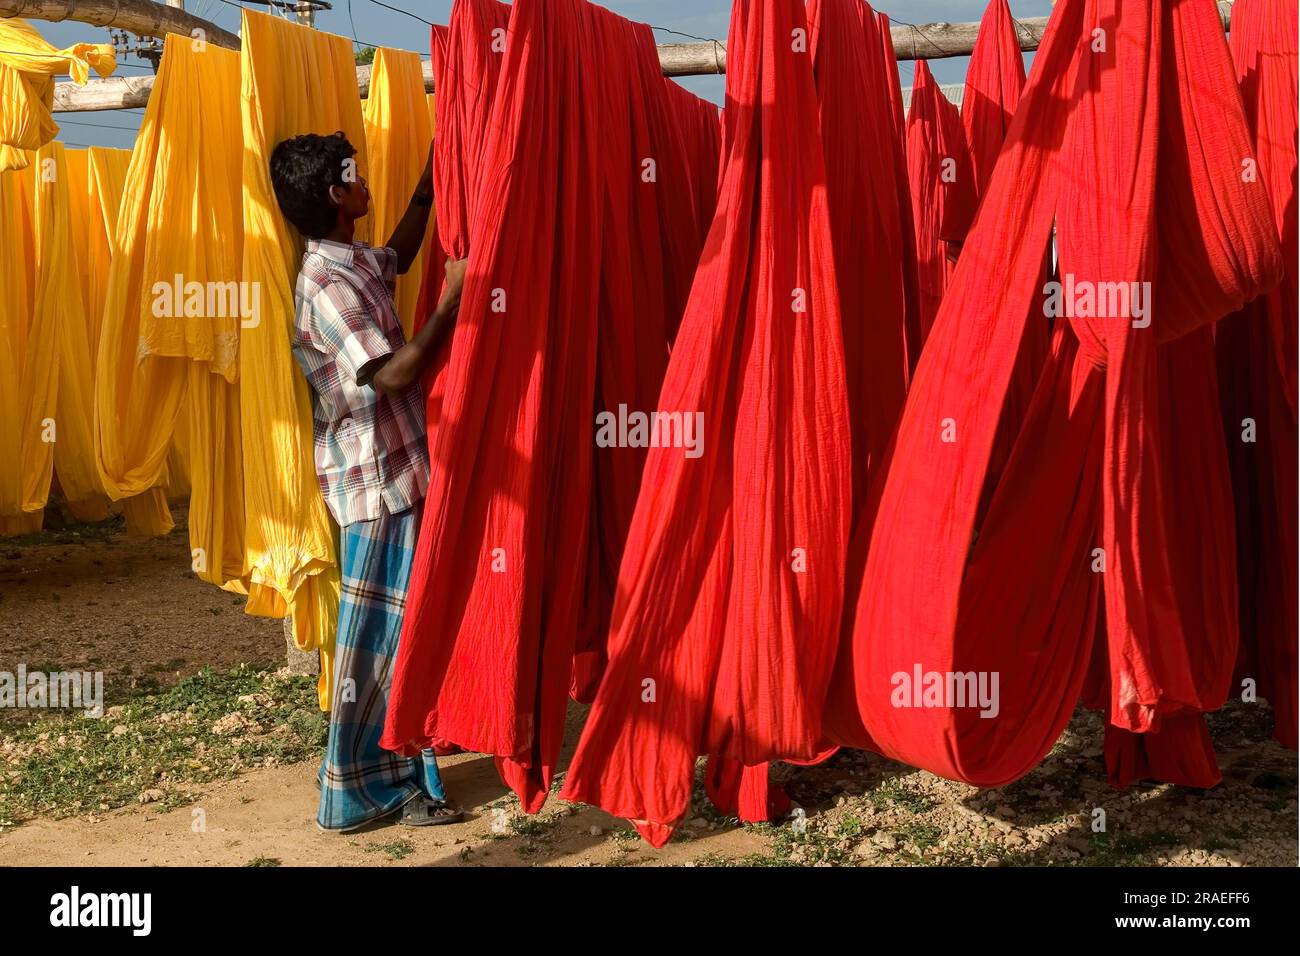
(359,780)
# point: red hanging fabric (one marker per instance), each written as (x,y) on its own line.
(886,40)
(1257,365)
(1114,144)
(994,79)
(434,254)
(886,66)
(868,220)
(652,239)
(939,176)
(487,643)
(466,57)
(865,230)
(723,630)
(697,122)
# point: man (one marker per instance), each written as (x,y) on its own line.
(372,460)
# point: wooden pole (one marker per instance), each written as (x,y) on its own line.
(141,17)
(929,41)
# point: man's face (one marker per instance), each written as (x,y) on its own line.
(353,198)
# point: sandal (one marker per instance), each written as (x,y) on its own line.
(425,812)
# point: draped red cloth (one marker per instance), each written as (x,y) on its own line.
(723,630)
(895,88)
(866,234)
(658,170)
(431,280)
(466,60)
(942,189)
(486,650)
(1257,364)
(697,122)
(887,67)
(466,57)
(491,649)
(870,219)
(994,79)
(1117,144)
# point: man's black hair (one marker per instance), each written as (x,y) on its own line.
(302,171)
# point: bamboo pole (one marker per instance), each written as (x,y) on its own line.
(921,42)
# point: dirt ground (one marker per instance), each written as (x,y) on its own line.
(92,598)
(96,599)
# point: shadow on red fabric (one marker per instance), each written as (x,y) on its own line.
(724,625)
(1257,368)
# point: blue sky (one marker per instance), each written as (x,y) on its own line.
(376,26)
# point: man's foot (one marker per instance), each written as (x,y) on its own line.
(426,812)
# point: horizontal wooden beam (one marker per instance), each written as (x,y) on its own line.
(142,17)
(929,41)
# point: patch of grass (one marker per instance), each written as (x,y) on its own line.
(210,726)
(805,849)
(921,835)
(396,850)
(77,533)
(531,826)
(894,792)
(850,826)
(1125,849)
(749,860)
(263,861)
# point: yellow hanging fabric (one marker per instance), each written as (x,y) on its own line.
(105,181)
(17,295)
(295,80)
(398,133)
(28,66)
(29,378)
(22,524)
(96,197)
(167,362)
(178,484)
(147,514)
(62,176)
(79,207)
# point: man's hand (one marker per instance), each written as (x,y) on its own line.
(455,269)
(408,363)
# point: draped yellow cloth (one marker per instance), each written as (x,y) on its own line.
(398,133)
(28,357)
(28,66)
(98,181)
(29,344)
(295,81)
(60,203)
(167,361)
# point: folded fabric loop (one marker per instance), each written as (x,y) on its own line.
(1107,147)
(28,66)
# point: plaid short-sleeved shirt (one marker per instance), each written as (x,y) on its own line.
(371,449)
